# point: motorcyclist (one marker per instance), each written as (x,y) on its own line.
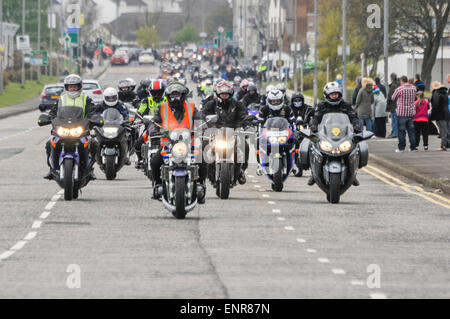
(252,96)
(208,89)
(334,103)
(269,88)
(282,87)
(173,114)
(111,100)
(142,91)
(231,114)
(126,93)
(149,106)
(299,108)
(72,97)
(243,90)
(275,107)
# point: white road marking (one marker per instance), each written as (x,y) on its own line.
(281,219)
(357,282)
(301,240)
(50,205)
(61,192)
(30,235)
(256,186)
(338,271)
(276,211)
(251,176)
(271,203)
(19,245)
(56,197)
(7,254)
(289,228)
(36,224)
(265,196)
(323,260)
(44,215)
(312,251)
(378,295)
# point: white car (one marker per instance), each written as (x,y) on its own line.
(146,57)
(94,90)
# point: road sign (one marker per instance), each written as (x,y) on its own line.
(67,41)
(340,50)
(299,47)
(203,35)
(221,29)
(23,42)
(39,58)
(73,34)
(51,20)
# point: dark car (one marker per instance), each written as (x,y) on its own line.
(50,95)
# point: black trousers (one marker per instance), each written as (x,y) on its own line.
(380,126)
(421,128)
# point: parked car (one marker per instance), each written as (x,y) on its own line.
(146,57)
(94,90)
(120,58)
(50,95)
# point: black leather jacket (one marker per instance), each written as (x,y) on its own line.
(344,107)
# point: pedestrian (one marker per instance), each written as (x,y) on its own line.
(421,119)
(379,110)
(405,96)
(90,66)
(356,91)
(440,112)
(363,106)
(392,105)
(339,79)
(420,86)
(381,86)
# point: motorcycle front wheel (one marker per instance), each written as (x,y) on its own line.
(180,199)
(277,185)
(68,179)
(110,167)
(223,188)
(334,188)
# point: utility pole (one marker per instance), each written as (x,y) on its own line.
(23,55)
(363,62)
(295,44)
(413,55)
(50,60)
(245,28)
(280,48)
(316,38)
(386,42)
(442,60)
(344,48)
(1,43)
(39,40)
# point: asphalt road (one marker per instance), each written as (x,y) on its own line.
(257,244)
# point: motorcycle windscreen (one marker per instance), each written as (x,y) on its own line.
(254,107)
(277,123)
(69,115)
(335,126)
(112,116)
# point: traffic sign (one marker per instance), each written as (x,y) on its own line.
(340,50)
(23,42)
(221,29)
(39,58)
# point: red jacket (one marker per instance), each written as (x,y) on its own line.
(421,111)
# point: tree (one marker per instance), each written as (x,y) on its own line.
(187,6)
(222,15)
(147,36)
(422,24)
(187,35)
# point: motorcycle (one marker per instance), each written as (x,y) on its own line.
(276,151)
(253,109)
(334,154)
(70,133)
(112,141)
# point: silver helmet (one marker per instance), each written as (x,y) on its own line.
(275,100)
(73,79)
(332,87)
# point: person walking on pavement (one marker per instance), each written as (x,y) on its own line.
(405,96)
(392,105)
(90,66)
(356,91)
(440,112)
(379,110)
(421,119)
(364,102)
(420,86)
(381,86)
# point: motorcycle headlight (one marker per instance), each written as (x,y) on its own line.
(180,150)
(326,146)
(76,132)
(273,140)
(345,146)
(173,136)
(111,132)
(282,139)
(223,144)
(62,131)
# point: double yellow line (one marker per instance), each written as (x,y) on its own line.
(415,190)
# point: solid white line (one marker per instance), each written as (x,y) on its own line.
(301,240)
(30,235)
(271,203)
(338,271)
(378,295)
(6,254)
(289,228)
(281,219)
(323,260)
(36,224)
(50,205)
(276,211)
(44,215)
(312,251)
(19,245)
(357,282)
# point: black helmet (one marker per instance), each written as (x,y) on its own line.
(145,83)
(297,100)
(252,88)
(176,94)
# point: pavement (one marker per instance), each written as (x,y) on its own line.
(33,104)
(387,238)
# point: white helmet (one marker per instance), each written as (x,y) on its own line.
(332,87)
(281,87)
(70,80)
(208,82)
(275,100)
(270,88)
(132,83)
(110,96)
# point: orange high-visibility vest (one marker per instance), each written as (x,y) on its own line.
(169,122)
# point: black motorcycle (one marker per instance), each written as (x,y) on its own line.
(70,136)
(112,143)
(334,154)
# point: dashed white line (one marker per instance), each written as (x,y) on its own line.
(256,186)
(311,251)
(7,254)
(19,245)
(281,219)
(56,197)
(30,235)
(251,176)
(289,228)
(36,224)
(338,271)
(301,240)
(271,203)
(276,211)
(50,205)
(378,295)
(265,196)
(357,282)
(44,215)
(323,260)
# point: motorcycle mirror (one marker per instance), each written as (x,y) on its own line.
(44,119)
(212,118)
(96,119)
(367,135)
